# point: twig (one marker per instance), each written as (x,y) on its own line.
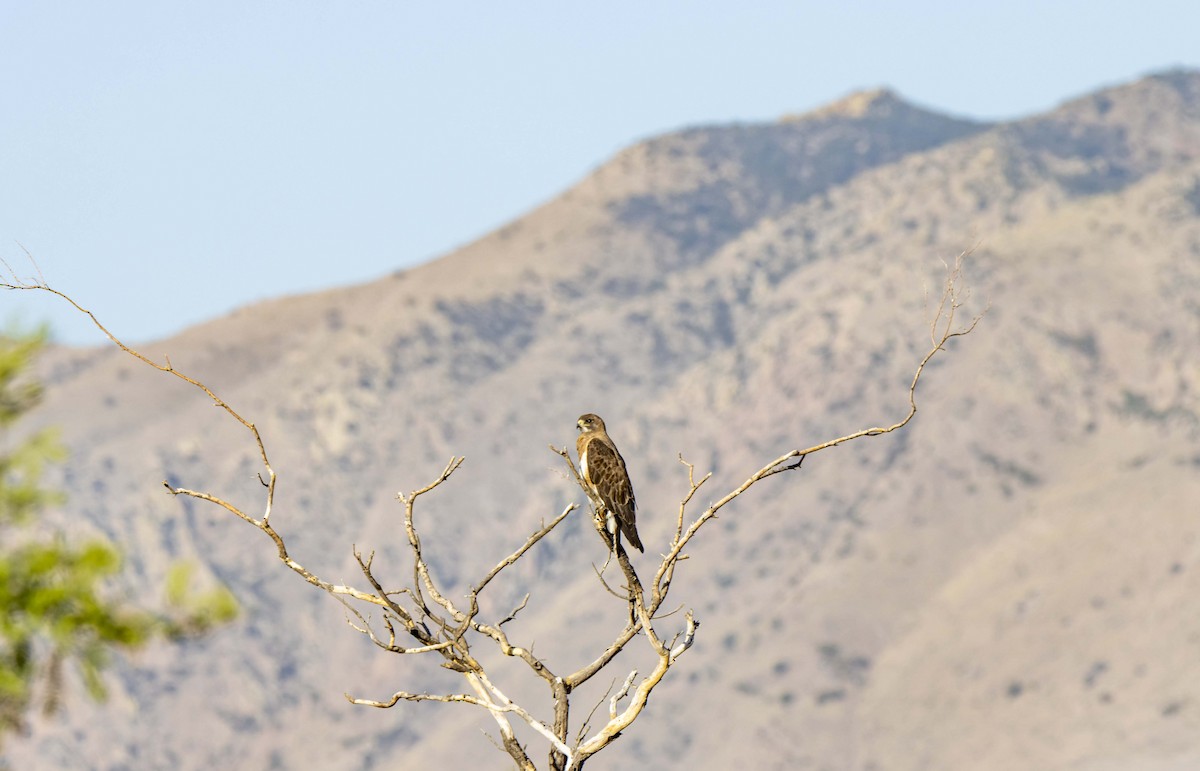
(587,721)
(399,696)
(516,610)
(516,555)
(621,694)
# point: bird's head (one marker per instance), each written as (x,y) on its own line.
(589,422)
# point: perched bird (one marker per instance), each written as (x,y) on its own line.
(604,472)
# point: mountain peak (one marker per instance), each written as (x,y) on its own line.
(871,103)
(875,101)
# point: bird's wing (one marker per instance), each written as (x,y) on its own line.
(608,475)
(606,471)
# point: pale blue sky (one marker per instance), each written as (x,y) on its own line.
(167,161)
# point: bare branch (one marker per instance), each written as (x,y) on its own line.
(384,598)
(390,645)
(587,721)
(496,708)
(509,705)
(263,524)
(618,722)
(942,331)
(516,610)
(621,694)
(467,620)
(511,745)
(15,283)
(689,636)
(420,567)
(516,555)
(693,486)
(399,696)
(599,571)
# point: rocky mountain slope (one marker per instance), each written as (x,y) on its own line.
(1012,582)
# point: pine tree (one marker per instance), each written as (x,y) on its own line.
(54,609)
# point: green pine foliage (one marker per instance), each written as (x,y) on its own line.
(195,613)
(54,609)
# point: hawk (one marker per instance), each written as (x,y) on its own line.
(605,475)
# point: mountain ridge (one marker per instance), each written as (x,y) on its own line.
(730,311)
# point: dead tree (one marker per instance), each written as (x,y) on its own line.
(421,620)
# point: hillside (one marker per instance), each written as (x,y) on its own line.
(1012,582)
